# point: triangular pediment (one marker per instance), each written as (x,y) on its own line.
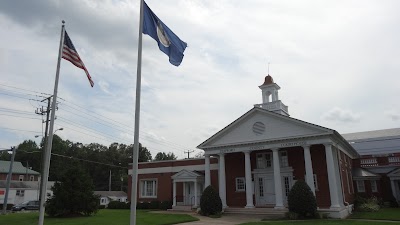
(186,174)
(394,173)
(260,125)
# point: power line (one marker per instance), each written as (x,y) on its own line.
(20,130)
(23,89)
(20,116)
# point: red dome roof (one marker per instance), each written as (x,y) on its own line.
(268,80)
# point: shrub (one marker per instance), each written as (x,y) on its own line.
(73,195)
(210,202)
(301,200)
(9,206)
(291,215)
(118,205)
(369,205)
(393,202)
(102,206)
(142,205)
(154,205)
(166,205)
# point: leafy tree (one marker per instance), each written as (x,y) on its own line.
(199,155)
(73,195)
(301,200)
(210,202)
(163,156)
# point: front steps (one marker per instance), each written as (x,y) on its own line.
(181,208)
(270,212)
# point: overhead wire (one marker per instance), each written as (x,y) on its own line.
(148,137)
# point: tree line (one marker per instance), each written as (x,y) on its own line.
(96,159)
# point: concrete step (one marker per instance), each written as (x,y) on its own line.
(256,211)
(181,208)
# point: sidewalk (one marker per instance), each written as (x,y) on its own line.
(226,219)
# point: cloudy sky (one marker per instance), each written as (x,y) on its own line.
(337,63)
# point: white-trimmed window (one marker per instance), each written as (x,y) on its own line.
(21,178)
(32,178)
(283,158)
(360,186)
(315,182)
(264,160)
(374,187)
(240,184)
(148,188)
(20,193)
(103,201)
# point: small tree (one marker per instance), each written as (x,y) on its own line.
(73,195)
(301,200)
(210,202)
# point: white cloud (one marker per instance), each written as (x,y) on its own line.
(393,115)
(341,115)
(320,53)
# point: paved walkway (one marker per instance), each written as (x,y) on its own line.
(226,219)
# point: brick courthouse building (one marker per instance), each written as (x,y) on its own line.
(254,161)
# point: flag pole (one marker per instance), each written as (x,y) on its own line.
(135,153)
(47,153)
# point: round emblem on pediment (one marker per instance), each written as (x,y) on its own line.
(258,128)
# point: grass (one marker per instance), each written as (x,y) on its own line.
(382,214)
(103,217)
(318,222)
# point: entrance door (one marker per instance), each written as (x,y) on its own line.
(189,193)
(265,190)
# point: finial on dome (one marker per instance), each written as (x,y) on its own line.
(268,80)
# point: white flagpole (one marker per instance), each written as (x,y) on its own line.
(137,119)
(46,165)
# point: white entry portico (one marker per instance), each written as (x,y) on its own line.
(193,184)
(265,136)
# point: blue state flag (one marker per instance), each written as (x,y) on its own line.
(167,41)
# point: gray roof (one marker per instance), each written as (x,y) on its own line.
(14,184)
(111,193)
(376,142)
(18,168)
(360,172)
(372,134)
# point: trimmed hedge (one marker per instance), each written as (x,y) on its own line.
(164,205)
(301,200)
(210,202)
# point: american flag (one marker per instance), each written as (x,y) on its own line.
(69,53)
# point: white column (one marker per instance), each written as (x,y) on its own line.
(195,194)
(395,188)
(174,193)
(221,180)
(249,186)
(207,172)
(277,180)
(184,193)
(331,176)
(309,169)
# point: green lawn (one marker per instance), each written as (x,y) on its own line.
(318,222)
(103,217)
(382,214)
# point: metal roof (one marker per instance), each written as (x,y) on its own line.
(24,184)
(360,172)
(372,134)
(376,142)
(111,193)
(18,168)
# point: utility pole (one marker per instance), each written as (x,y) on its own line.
(188,152)
(109,183)
(42,112)
(8,181)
